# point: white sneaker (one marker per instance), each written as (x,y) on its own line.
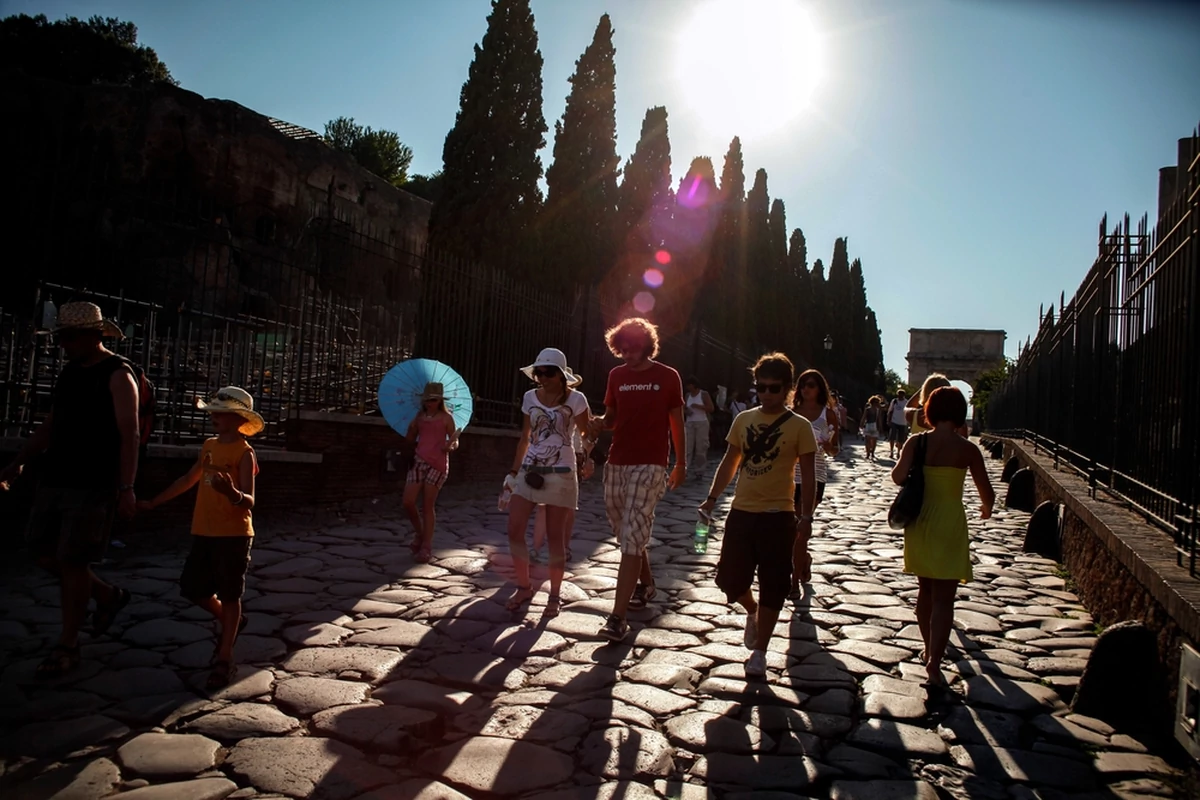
(750,639)
(756,665)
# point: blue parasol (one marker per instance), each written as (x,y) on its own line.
(401,388)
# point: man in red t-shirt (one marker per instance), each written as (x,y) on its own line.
(642,404)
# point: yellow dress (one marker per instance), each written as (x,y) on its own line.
(937,544)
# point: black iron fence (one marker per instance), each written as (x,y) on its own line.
(1110,387)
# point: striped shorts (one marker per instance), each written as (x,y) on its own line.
(422,473)
(631,493)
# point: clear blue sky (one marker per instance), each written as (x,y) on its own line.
(967,149)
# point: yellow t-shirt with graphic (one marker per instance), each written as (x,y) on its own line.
(214,515)
(765,482)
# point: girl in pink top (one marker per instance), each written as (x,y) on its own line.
(435,435)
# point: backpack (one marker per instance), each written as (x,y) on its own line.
(147,406)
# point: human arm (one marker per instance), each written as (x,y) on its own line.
(125,405)
(410,435)
(725,472)
(236,493)
(34,445)
(900,471)
(679,473)
(808,492)
(706,399)
(987,495)
(451,433)
(522,446)
(181,485)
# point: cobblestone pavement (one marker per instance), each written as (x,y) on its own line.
(368,676)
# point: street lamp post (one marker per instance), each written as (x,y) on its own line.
(828,343)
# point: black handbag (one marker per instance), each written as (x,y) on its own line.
(907,505)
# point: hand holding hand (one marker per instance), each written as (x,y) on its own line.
(985,511)
(127,504)
(145,505)
(588,469)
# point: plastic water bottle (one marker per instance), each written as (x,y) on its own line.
(700,537)
(505,494)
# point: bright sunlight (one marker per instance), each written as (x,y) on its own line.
(748,67)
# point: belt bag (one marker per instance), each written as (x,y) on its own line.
(535,476)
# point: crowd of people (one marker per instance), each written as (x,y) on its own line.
(781,432)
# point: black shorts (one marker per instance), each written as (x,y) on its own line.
(71,526)
(761,540)
(216,565)
(816,498)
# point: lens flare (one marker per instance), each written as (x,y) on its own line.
(662,257)
(653,278)
(643,302)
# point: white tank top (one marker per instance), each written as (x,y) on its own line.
(695,414)
(821,432)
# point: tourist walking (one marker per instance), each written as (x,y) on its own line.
(545,469)
(897,422)
(813,402)
(435,435)
(643,403)
(214,575)
(768,443)
(739,403)
(698,406)
(90,442)
(937,544)
(587,468)
(872,416)
(916,405)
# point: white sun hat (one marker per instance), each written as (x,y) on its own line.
(235,400)
(553,357)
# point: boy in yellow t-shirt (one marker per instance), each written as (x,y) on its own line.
(766,442)
(214,576)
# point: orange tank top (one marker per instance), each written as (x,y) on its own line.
(214,514)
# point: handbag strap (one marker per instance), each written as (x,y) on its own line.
(782,418)
(918,457)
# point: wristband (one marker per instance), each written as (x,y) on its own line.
(127,487)
(712,499)
(513,472)
(805,519)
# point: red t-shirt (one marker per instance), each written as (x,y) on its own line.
(643,400)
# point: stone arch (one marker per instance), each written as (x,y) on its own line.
(958,353)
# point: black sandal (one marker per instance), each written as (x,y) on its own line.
(524,595)
(105,613)
(642,595)
(553,607)
(62,659)
(221,675)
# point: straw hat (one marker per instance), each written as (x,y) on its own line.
(553,357)
(433,391)
(86,317)
(234,400)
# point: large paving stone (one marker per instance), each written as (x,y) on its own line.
(658,702)
(309,767)
(387,729)
(168,754)
(881,790)
(967,725)
(893,706)
(1017,696)
(415,789)
(86,780)
(626,752)
(505,767)
(316,634)
(884,654)
(307,696)
(371,663)
(1110,763)
(976,622)
(198,789)
(134,682)
(1039,769)
(298,567)
(863,763)
(397,633)
(550,726)
(164,632)
(793,773)
(479,670)
(243,720)
(519,641)
(58,738)
(248,684)
(897,737)
(429,696)
(664,676)
(704,732)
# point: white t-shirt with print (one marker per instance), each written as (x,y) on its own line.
(550,430)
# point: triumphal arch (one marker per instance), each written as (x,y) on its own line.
(958,353)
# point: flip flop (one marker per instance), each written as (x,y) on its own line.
(524,595)
(553,606)
(62,659)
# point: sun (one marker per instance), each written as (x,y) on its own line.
(749,67)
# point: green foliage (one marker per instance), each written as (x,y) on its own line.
(893,383)
(645,194)
(579,221)
(427,187)
(380,152)
(100,50)
(987,382)
(490,166)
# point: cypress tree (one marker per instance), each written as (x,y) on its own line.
(863,368)
(490,195)
(801,304)
(579,222)
(782,297)
(644,199)
(820,315)
(729,256)
(840,323)
(759,260)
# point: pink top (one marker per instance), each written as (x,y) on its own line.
(431,442)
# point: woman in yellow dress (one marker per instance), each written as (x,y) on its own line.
(937,544)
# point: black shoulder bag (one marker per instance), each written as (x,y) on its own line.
(907,505)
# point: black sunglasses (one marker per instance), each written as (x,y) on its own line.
(548,372)
(768,388)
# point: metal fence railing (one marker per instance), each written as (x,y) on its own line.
(1111,387)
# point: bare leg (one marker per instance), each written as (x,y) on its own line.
(941,621)
(924,607)
(519,510)
(75,590)
(627,578)
(428,516)
(539,527)
(231,618)
(556,524)
(746,601)
(570,528)
(801,562)
(414,513)
(644,575)
(767,617)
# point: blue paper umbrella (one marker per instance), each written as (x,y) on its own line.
(401,389)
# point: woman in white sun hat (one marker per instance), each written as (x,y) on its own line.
(545,468)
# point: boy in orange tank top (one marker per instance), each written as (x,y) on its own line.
(214,576)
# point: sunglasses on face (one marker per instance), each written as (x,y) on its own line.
(768,388)
(549,372)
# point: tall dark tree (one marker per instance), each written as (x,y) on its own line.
(380,152)
(644,202)
(688,298)
(427,187)
(801,300)
(729,255)
(759,261)
(821,315)
(579,221)
(861,332)
(780,300)
(100,50)
(841,327)
(490,195)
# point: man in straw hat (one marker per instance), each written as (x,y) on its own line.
(90,441)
